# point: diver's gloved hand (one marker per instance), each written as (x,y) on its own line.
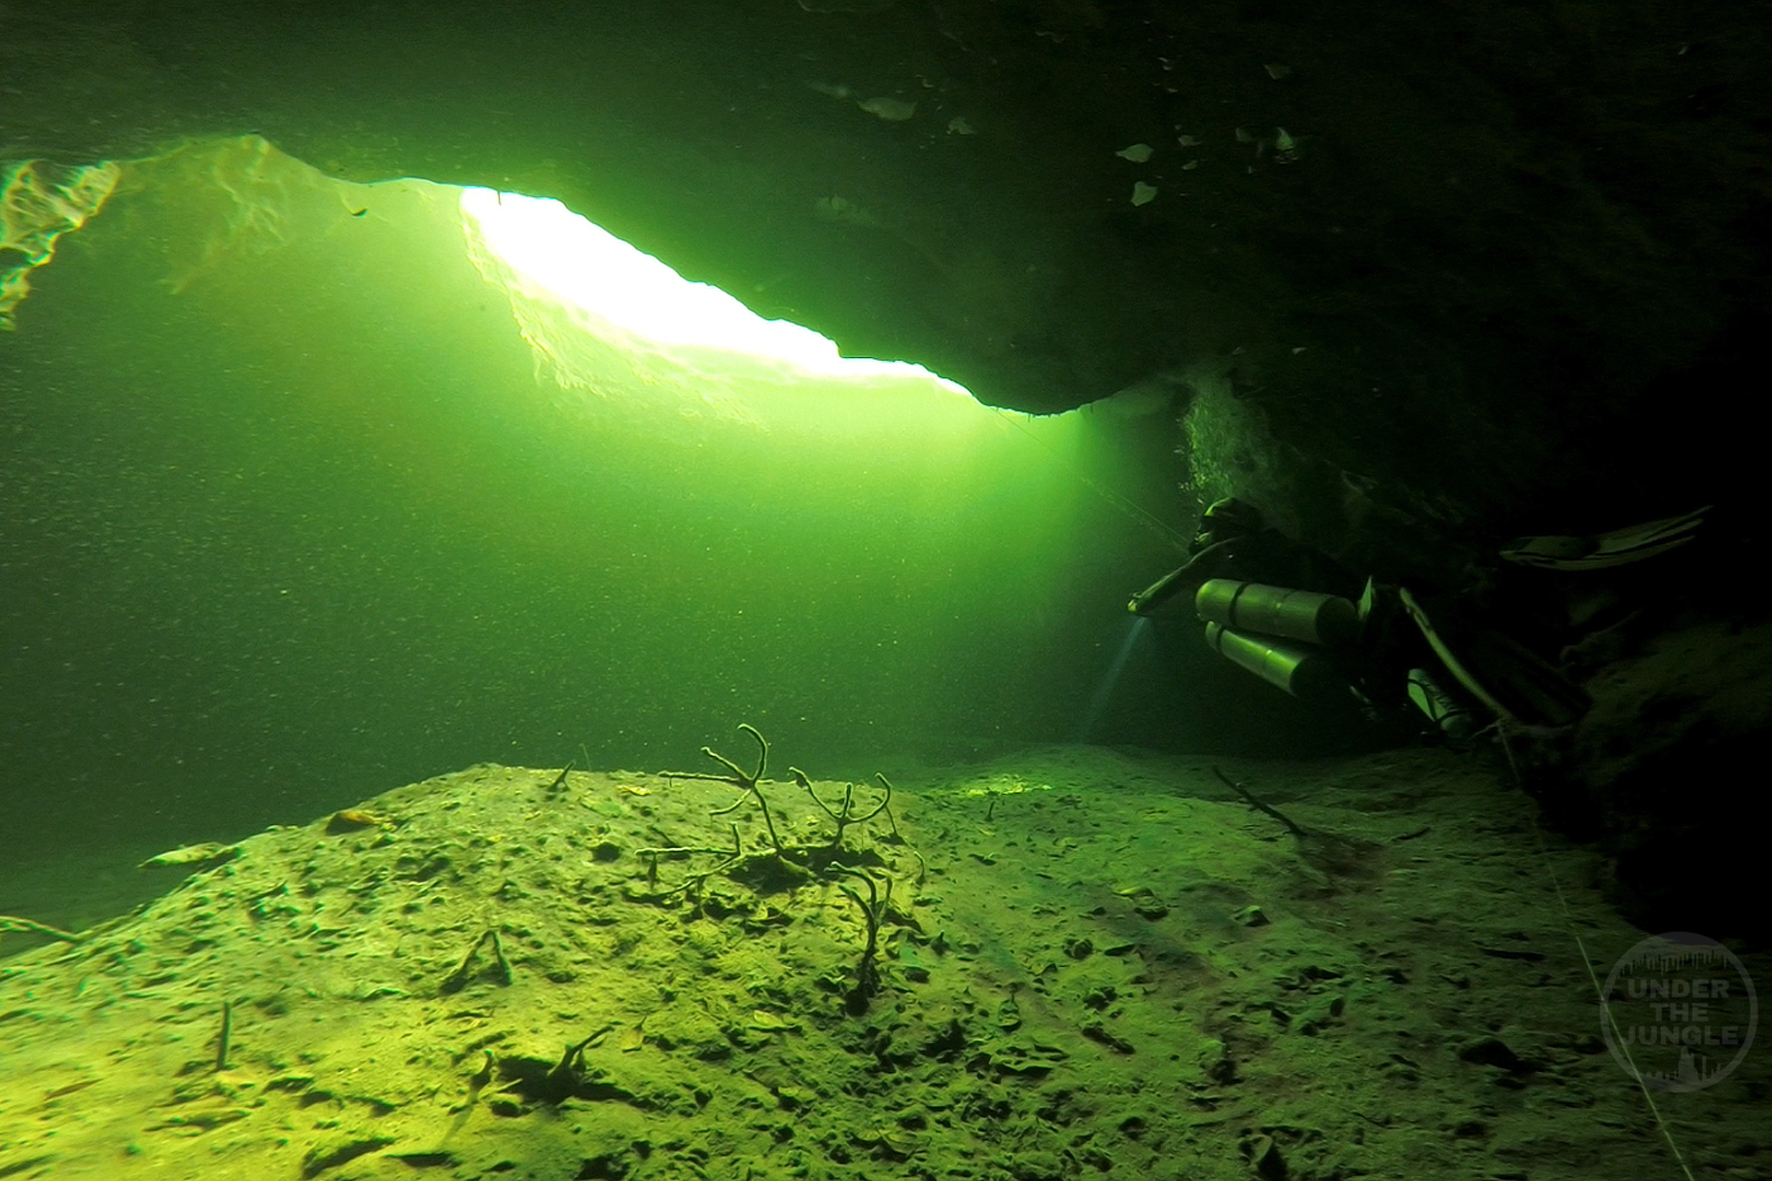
(1158,592)
(1185,578)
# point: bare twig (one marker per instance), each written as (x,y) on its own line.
(1255,803)
(734,856)
(13,923)
(845,815)
(501,967)
(225,1038)
(738,778)
(867,976)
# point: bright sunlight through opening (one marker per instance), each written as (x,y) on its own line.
(586,266)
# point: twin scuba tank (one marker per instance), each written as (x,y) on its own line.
(1300,640)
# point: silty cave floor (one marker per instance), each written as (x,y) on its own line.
(1090,964)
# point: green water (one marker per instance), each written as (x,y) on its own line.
(293,512)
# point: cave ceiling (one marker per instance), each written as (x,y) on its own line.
(1472,246)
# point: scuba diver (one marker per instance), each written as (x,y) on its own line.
(1305,624)
(1233,541)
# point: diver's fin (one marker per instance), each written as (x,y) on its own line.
(1499,672)
(1621,546)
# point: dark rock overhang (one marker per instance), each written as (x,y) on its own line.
(1389,217)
